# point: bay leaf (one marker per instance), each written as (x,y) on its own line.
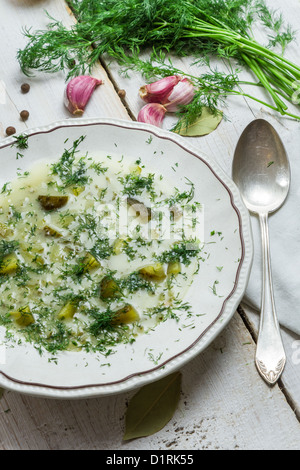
(205,124)
(152,407)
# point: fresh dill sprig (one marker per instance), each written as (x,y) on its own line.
(121,29)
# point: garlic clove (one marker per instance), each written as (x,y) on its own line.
(182,94)
(152,113)
(158,92)
(78,92)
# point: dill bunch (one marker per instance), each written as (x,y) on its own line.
(122,29)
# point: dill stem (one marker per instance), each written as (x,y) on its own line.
(281,76)
(248,45)
(278,59)
(284,84)
(247,95)
(253,45)
(227,35)
(281,106)
(284,91)
(287,94)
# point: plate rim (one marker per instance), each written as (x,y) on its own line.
(229,305)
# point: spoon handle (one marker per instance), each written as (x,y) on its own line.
(270,356)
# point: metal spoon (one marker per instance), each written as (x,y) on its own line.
(261,171)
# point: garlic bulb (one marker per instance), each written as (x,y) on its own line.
(78,92)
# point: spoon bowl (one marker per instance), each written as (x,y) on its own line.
(262,173)
(261,168)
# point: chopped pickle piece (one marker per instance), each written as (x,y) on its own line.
(136,170)
(51,232)
(23,316)
(66,220)
(39,260)
(174,267)
(50,203)
(109,288)
(68,311)
(153,272)
(126,314)
(118,246)
(78,190)
(90,262)
(140,209)
(9,264)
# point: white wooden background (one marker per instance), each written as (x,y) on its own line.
(224,403)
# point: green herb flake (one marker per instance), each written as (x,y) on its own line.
(21,142)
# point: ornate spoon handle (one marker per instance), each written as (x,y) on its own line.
(270,356)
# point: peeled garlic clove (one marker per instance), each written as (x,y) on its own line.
(182,94)
(78,92)
(158,92)
(152,113)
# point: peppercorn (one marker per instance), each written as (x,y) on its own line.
(10,130)
(24,115)
(25,87)
(122,93)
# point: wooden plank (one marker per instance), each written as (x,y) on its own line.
(290,378)
(223,406)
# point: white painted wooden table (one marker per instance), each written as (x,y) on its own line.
(224,402)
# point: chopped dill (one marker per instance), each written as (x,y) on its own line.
(21,142)
(183,252)
(102,248)
(102,320)
(164,312)
(98,168)
(134,282)
(134,185)
(182,197)
(70,173)
(6,189)
(7,247)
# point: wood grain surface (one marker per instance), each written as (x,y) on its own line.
(224,403)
